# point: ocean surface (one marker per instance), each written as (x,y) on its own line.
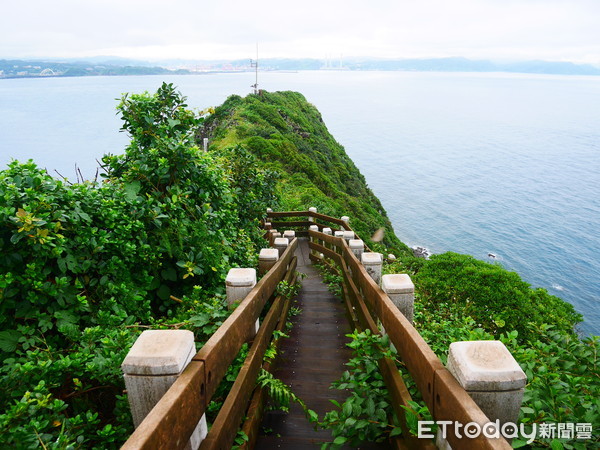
(495,163)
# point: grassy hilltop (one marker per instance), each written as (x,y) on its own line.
(287,134)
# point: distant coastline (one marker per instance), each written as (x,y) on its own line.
(110,66)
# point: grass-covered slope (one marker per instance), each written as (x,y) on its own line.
(288,135)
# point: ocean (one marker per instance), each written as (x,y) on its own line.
(476,163)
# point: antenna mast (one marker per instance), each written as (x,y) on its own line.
(255,65)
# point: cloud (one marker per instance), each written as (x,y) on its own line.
(554,29)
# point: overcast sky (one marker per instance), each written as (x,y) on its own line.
(562,30)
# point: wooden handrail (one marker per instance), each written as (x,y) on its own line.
(173,419)
(444,397)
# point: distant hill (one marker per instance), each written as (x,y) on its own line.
(53,68)
(111,65)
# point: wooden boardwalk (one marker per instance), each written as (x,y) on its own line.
(311,359)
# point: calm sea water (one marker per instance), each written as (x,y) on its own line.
(472,163)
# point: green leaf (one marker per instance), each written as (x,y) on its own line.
(340,440)
(396,432)
(556,445)
(9,340)
(131,190)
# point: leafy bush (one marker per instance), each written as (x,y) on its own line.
(491,295)
(83,266)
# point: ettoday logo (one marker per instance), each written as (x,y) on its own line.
(508,430)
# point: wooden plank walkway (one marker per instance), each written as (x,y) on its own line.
(310,360)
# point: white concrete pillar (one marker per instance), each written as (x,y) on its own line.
(372,262)
(313,240)
(326,230)
(205,144)
(491,376)
(345,219)
(289,234)
(152,365)
(281,244)
(312,209)
(268,225)
(401,291)
(267,259)
(339,234)
(269,210)
(238,284)
(348,235)
(357,246)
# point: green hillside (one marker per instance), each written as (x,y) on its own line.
(288,135)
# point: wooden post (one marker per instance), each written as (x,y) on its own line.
(152,365)
(401,291)
(372,263)
(267,259)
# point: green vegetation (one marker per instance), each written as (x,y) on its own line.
(287,135)
(85,267)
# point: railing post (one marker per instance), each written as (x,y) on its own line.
(289,234)
(281,244)
(493,379)
(401,291)
(152,365)
(313,240)
(326,230)
(269,210)
(312,209)
(268,226)
(372,262)
(357,246)
(267,259)
(345,219)
(238,284)
(348,235)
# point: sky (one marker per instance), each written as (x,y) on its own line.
(556,30)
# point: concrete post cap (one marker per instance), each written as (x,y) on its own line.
(327,230)
(268,254)
(485,366)
(392,257)
(282,242)
(312,209)
(399,283)
(313,228)
(371,258)
(345,219)
(348,234)
(269,210)
(356,243)
(339,234)
(160,352)
(241,277)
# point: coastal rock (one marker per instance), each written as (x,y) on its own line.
(421,252)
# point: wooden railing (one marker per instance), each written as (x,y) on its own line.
(172,421)
(367,305)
